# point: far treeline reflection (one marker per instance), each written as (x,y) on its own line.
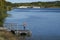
(5,6)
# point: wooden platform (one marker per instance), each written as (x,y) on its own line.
(2,28)
(27,33)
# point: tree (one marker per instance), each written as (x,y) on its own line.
(3,13)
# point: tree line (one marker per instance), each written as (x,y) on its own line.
(3,11)
(54,4)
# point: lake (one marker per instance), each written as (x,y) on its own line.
(44,22)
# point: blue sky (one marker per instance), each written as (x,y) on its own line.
(19,1)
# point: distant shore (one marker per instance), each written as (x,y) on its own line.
(54,4)
(28,7)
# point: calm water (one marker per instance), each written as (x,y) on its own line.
(44,23)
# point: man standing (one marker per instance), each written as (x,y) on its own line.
(24,25)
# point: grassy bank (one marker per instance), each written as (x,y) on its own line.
(5,35)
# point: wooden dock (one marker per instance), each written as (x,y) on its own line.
(2,28)
(20,34)
(27,33)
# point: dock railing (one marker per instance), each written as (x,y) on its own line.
(22,33)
